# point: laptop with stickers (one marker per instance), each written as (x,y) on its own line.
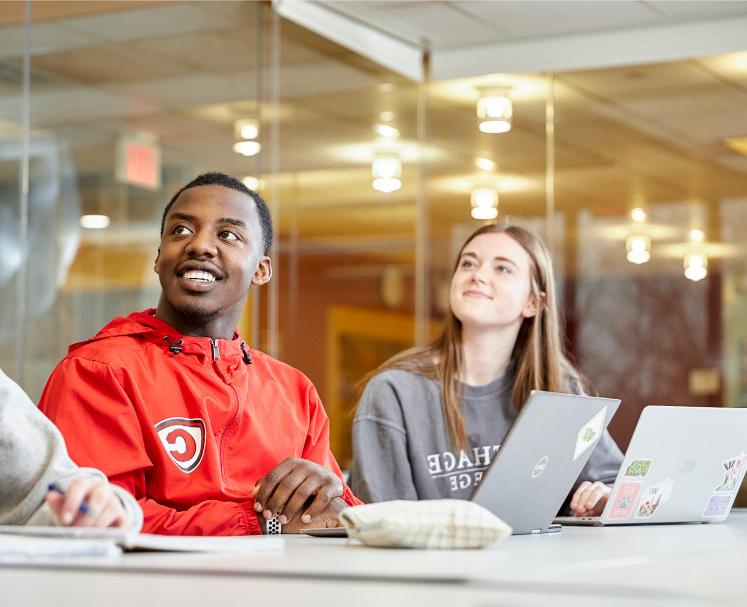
(683,464)
(542,456)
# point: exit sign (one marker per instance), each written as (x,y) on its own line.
(139,161)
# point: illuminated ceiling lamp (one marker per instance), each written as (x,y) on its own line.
(638,215)
(245,130)
(94,222)
(386,170)
(253,183)
(696,259)
(485,164)
(484,203)
(494,110)
(638,248)
(696,265)
(386,131)
(247,148)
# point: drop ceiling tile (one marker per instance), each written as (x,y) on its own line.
(697,10)
(535,19)
(150,22)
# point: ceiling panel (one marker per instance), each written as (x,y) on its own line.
(700,116)
(104,64)
(436,24)
(224,51)
(692,10)
(651,132)
(535,19)
(176,18)
(441,24)
(45,38)
(640,81)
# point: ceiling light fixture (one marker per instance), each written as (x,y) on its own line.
(386,171)
(485,164)
(494,111)
(386,131)
(246,128)
(696,259)
(253,183)
(696,235)
(247,148)
(638,248)
(484,203)
(638,215)
(94,222)
(696,265)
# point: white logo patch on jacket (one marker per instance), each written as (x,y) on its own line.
(184,440)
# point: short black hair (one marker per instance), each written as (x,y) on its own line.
(265,221)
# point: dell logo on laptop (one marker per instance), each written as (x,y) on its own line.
(540,466)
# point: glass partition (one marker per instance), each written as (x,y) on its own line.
(13,215)
(346,179)
(653,190)
(634,175)
(122,115)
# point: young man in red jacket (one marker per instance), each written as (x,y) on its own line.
(212,438)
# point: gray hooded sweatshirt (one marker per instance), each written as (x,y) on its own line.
(401,446)
(33,455)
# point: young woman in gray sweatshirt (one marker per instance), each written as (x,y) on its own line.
(33,457)
(431,418)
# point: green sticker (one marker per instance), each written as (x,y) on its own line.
(589,434)
(638,467)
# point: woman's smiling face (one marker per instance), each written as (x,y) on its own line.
(491,286)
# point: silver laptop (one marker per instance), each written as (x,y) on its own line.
(684,464)
(540,459)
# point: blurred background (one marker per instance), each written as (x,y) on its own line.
(381,134)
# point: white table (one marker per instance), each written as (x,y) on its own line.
(647,565)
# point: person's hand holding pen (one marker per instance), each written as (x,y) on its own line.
(87,503)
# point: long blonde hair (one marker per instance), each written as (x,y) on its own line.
(540,361)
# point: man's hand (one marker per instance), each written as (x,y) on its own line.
(329,517)
(103,506)
(590,499)
(296,487)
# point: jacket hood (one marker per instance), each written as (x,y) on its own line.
(145,324)
(137,323)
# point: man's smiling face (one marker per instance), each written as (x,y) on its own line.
(210,254)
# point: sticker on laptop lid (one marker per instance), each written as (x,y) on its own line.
(624,500)
(638,467)
(733,469)
(718,505)
(589,433)
(653,497)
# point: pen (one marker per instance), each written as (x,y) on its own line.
(84,508)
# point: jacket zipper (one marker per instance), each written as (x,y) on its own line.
(216,352)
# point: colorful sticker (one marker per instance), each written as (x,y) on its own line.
(589,433)
(624,500)
(638,467)
(733,469)
(718,505)
(653,497)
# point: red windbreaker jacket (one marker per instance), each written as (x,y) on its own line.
(185,424)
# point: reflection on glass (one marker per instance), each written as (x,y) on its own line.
(122,116)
